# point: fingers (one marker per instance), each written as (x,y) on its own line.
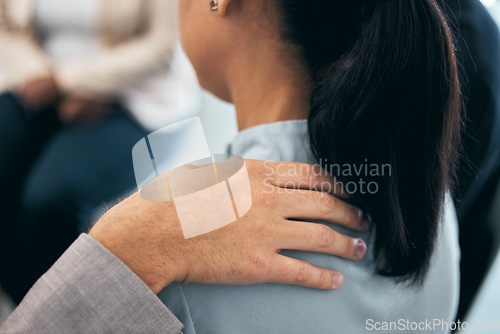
(67,112)
(311,237)
(80,110)
(40,92)
(286,270)
(315,205)
(303,176)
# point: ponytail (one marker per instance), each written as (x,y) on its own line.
(385,92)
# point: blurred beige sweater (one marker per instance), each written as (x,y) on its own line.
(138,39)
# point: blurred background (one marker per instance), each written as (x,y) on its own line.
(486,307)
(124,108)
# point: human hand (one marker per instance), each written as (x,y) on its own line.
(39,92)
(147,236)
(82,110)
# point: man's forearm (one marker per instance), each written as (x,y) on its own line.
(89,290)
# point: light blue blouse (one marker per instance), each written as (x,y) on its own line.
(365,301)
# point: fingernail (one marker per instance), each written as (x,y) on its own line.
(337,281)
(360,248)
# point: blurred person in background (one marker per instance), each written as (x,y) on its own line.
(82,81)
(478,52)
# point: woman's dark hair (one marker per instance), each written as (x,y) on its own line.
(385,91)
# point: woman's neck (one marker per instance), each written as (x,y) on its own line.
(267,88)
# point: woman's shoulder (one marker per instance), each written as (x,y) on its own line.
(365,298)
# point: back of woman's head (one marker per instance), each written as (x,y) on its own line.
(385,91)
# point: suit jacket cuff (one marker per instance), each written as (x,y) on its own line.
(89,290)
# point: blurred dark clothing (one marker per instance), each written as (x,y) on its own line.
(53,179)
(478,45)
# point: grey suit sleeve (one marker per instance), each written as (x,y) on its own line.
(89,290)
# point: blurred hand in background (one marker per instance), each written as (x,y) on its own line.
(82,110)
(40,92)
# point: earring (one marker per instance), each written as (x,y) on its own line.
(214,6)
